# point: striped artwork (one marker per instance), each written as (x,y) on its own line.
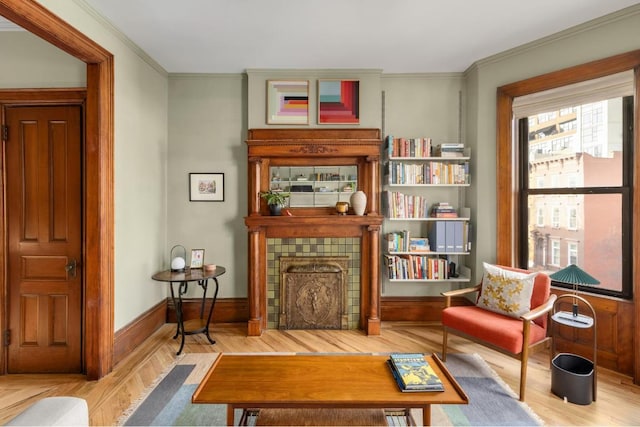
(288,102)
(338,101)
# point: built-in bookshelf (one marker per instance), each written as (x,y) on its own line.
(427,234)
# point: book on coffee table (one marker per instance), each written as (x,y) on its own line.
(413,373)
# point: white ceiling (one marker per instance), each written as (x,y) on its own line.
(397,36)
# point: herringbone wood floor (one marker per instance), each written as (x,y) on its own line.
(618,400)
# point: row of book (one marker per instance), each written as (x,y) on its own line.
(413,373)
(416,267)
(407,147)
(400,241)
(427,173)
(400,205)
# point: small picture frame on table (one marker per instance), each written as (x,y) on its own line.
(197,258)
(206,187)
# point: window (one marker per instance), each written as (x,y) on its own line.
(589,183)
(555,253)
(555,217)
(540,217)
(572,219)
(519,99)
(572,254)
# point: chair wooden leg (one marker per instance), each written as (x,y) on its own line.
(523,372)
(445,336)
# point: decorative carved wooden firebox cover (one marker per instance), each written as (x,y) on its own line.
(314,292)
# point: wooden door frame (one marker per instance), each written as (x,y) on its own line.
(98,194)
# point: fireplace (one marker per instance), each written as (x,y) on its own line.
(319,229)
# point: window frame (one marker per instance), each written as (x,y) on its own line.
(557,219)
(508,208)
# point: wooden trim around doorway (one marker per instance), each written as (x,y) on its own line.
(99,171)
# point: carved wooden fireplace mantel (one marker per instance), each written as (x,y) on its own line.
(314,147)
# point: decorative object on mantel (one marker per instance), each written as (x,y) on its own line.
(276,200)
(342,208)
(178,256)
(359,202)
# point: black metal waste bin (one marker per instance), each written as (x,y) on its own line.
(572,378)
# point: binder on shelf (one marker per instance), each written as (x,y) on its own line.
(458,236)
(449,236)
(437,236)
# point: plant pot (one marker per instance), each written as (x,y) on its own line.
(275,210)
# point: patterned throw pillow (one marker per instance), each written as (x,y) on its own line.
(505,291)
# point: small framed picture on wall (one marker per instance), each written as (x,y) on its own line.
(206,187)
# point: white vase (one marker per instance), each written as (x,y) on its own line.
(359,202)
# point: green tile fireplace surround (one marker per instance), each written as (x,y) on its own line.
(312,247)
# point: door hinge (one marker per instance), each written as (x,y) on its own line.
(5,132)
(7,337)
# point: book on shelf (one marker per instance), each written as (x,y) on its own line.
(399,205)
(416,267)
(413,373)
(443,210)
(449,149)
(419,244)
(408,147)
(430,172)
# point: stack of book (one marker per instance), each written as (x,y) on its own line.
(443,210)
(449,149)
(413,373)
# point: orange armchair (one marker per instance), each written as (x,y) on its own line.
(516,337)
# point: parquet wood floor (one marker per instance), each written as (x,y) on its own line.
(618,400)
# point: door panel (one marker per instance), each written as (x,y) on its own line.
(43,204)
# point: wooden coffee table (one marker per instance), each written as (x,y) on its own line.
(251,381)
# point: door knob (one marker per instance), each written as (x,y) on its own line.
(71,268)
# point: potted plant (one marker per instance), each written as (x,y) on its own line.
(276,200)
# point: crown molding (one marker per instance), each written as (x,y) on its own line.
(553,38)
(105,23)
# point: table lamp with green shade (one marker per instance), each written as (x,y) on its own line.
(574,275)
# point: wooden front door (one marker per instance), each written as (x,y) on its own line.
(44,238)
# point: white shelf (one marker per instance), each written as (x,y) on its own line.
(428,185)
(430,159)
(455,279)
(428,253)
(568,319)
(430,219)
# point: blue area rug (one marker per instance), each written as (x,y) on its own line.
(491,401)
